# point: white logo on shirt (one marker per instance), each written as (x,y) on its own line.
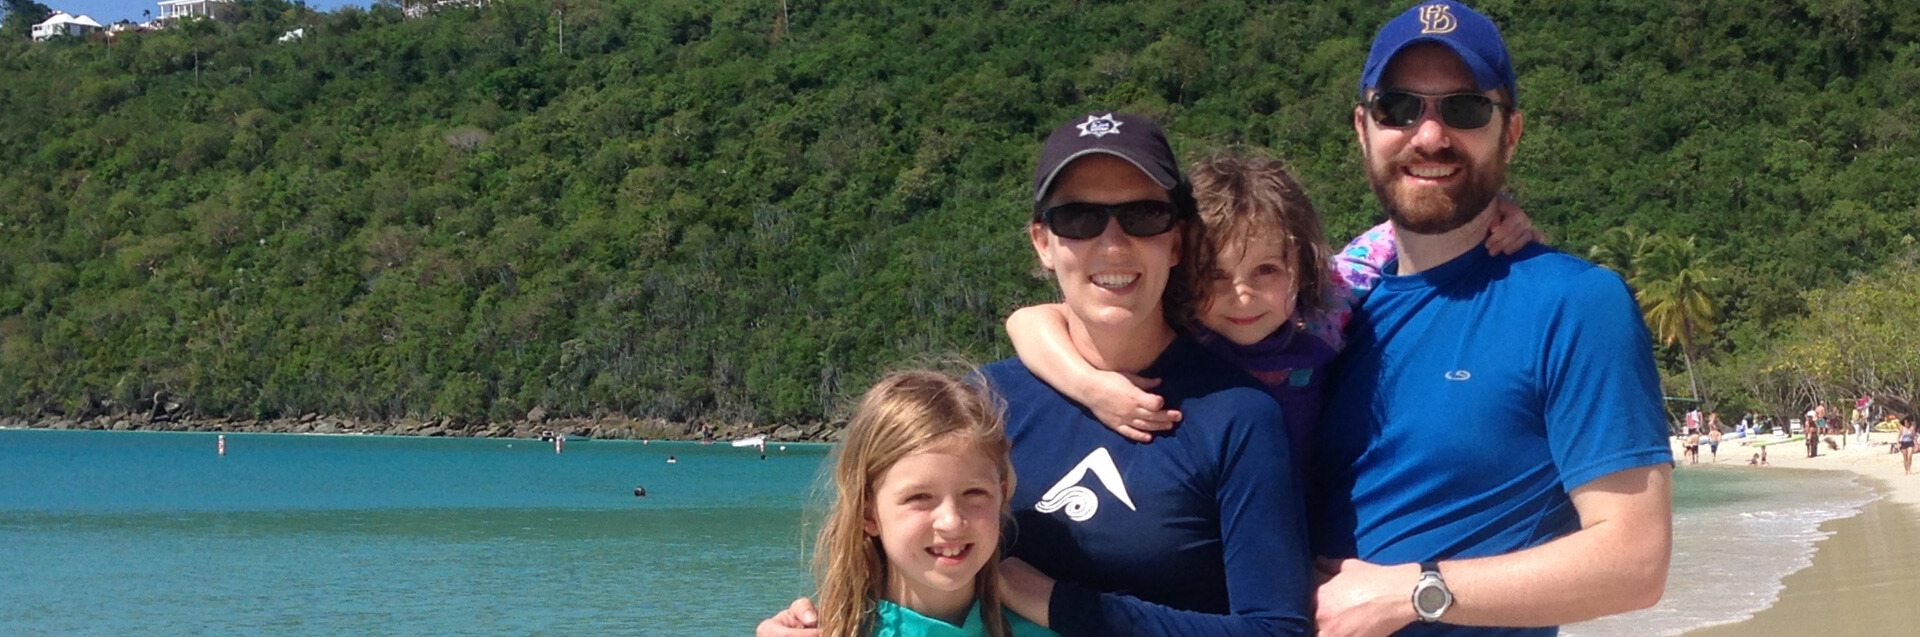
(1459,374)
(1080,502)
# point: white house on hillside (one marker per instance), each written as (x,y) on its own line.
(62,24)
(171,10)
(419,8)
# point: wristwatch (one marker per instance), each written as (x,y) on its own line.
(1431,599)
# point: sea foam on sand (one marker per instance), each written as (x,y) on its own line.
(1737,533)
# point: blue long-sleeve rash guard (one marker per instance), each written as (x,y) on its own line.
(1199,533)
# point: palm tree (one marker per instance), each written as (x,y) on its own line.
(1618,248)
(1675,288)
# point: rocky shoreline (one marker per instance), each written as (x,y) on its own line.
(536,425)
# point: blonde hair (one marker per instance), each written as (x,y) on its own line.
(904,413)
(1241,198)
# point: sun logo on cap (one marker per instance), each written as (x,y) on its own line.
(1437,18)
(1101,126)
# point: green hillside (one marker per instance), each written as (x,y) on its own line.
(746,210)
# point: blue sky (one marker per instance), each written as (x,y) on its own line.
(111,11)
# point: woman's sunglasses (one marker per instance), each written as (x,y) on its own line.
(1082,220)
(1400,109)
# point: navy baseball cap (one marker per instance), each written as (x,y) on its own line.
(1469,34)
(1131,137)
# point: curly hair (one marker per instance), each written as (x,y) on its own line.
(1241,198)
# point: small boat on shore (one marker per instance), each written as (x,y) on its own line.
(751,441)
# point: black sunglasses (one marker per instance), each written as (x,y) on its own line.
(1082,220)
(1462,111)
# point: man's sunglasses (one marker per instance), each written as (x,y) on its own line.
(1082,220)
(1461,111)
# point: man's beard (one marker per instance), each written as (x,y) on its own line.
(1433,211)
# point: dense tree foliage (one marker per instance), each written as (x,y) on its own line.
(17,17)
(1858,339)
(747,210)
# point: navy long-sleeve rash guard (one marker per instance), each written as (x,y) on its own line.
(1199,533)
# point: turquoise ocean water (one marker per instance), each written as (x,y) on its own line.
(155,534)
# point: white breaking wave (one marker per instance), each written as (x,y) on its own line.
(1729,560)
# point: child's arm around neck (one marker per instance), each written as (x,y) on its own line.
(1121,401)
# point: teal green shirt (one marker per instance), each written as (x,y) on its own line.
(894,620)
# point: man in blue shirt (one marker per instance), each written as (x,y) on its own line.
(1493,448)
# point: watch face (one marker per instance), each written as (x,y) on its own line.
(1430,598)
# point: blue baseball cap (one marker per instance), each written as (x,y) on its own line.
(1469,34)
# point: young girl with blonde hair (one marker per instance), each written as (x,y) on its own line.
(911,545)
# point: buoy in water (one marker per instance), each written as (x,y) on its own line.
(639,492)
(783,447)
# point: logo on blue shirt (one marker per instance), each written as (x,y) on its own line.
(1459,374)
(1080,502)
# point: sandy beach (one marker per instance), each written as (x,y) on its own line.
(1865,577)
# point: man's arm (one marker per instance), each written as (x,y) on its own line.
(1616,562)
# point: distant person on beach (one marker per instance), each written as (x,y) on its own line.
(911,545)
(1891,424)
(1713,438)
(1812,431)
(1494,456)
(1202,533)
(1906,441)
(1690,446)
(1861,427)
(1836,430)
